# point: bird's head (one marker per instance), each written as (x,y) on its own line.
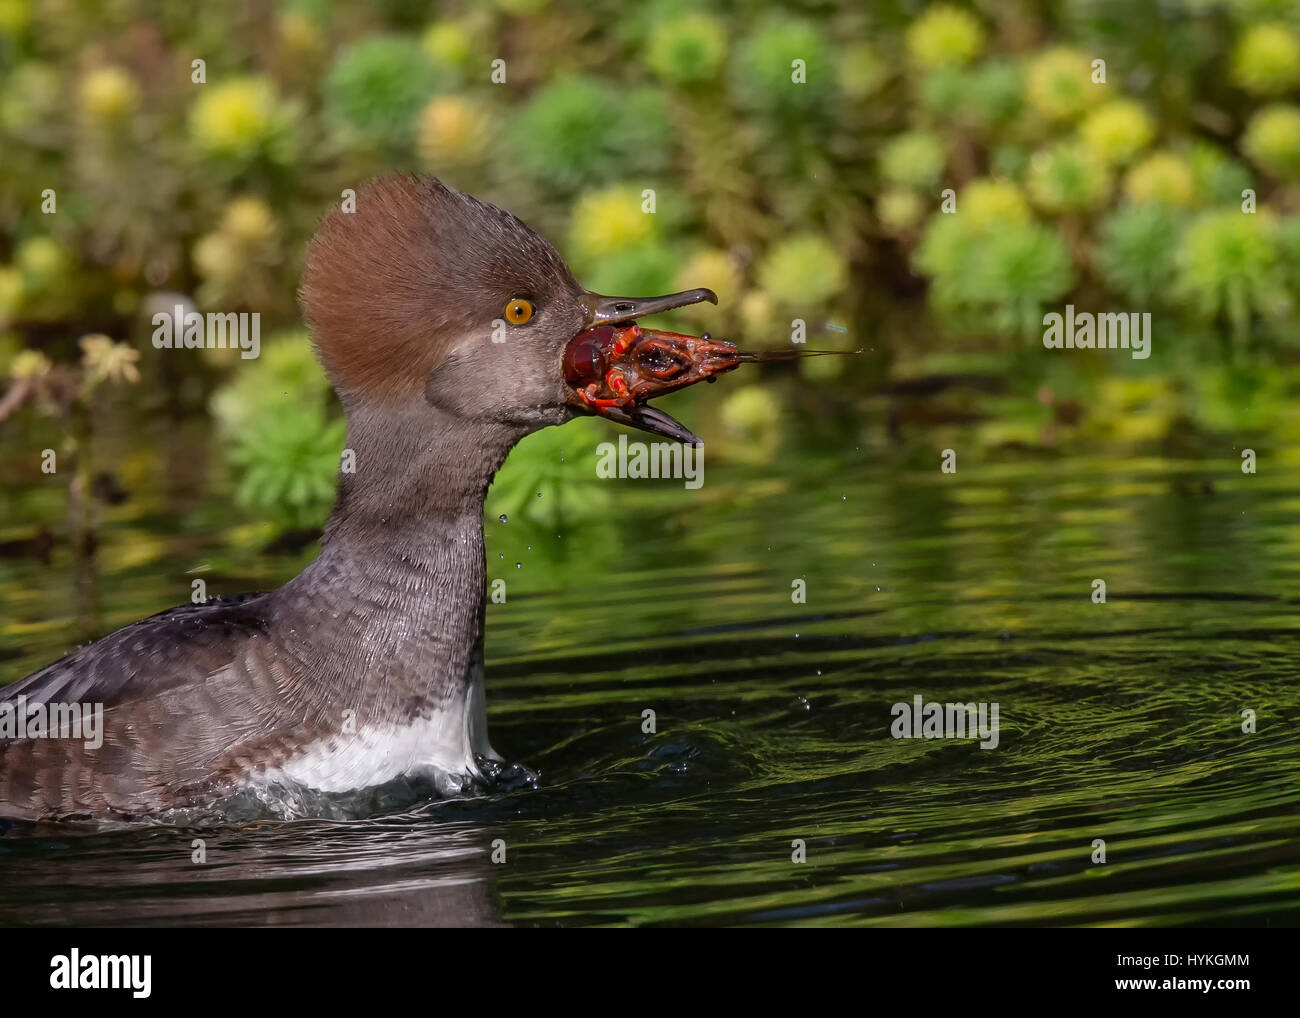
(425,293)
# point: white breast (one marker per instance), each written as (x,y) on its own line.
(442,743)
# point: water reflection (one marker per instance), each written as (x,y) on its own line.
(401,871)
(1120,722)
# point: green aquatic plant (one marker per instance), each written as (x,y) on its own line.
(1272,140)
(450,44)
(243,119)
(1232,398)
(862,70)
(29,365)
(235,260)
(1117,131)
(772,60)
(522,7)
(915,158)
(643,268)
(1218,177)
(899,210)
(1138,250)
(1133,409)
(1162,178)
(760,320)
(608,221)
(986,97)
(287,376)
(378,86)
(15,16)
(1024,267)
(288,463)
(109,94)
(995,94)
(751,424)
(102,361)
(688,49)
(1266,59)
(1009,160)
(714,269)
(944,36)
(992,274)
(947,253)
(453,132)
(549,478)
(47,269)
(1254,10)
(249,220)
(301,39)
(803,271)
(33,95)
(45,263)
(11,293)
(279,435)
(988,202)
(943,92)
(1068,178)
(1228,268)
(1288,247)
(578,131)
(1059,84)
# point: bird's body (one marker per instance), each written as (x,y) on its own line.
(364,669)
(367,667)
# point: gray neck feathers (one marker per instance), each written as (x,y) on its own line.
(391,612)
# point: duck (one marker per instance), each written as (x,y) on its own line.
(449,330)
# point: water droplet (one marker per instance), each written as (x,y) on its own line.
(539,494)
(504,518)
(519,565)
(844,498)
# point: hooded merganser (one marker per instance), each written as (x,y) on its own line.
(450,330)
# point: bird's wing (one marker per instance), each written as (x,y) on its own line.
(177,690)
(174,648)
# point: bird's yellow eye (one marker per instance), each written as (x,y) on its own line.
(518,311)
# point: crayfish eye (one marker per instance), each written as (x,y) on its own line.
(661,364)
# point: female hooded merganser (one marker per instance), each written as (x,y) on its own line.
(450,330)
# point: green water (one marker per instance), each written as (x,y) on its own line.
(1119,721)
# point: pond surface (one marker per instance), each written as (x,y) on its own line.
(1119,721)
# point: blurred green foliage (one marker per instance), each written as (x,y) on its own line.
(835,163)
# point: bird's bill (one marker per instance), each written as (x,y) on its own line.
(614,310)
(615,366)
(653,420)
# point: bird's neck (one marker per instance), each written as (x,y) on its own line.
(414,473)
(397,593)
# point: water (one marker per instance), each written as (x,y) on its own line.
(1119,721)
